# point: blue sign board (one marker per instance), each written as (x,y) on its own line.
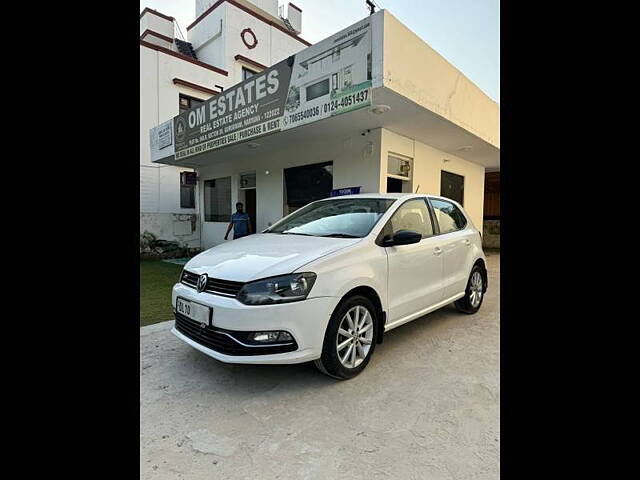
(345,191)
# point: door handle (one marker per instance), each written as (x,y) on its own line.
(437,251)
(467,242)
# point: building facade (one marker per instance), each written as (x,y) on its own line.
(228,42)
(370,109)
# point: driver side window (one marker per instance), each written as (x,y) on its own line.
(412,215)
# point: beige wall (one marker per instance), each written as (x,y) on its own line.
(416,71)
(428,163)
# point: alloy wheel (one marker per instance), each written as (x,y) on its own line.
(475,287)
(355,336)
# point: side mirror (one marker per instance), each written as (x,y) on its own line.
(403,237)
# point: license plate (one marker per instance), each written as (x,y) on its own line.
(193,310)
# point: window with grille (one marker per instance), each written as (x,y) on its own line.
(217,200)
(187,196)
(187,190)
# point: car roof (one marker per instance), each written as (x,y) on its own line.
(394,196)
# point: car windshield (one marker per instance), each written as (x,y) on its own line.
(344,218)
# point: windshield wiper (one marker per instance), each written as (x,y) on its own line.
(340,235)
(296,233)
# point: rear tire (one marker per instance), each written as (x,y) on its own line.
(350,338)
(474,294)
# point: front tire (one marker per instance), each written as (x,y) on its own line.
(474,294)
(350,338)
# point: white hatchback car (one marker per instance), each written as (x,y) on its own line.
(324,283)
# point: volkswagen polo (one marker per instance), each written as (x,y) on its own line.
(326,282)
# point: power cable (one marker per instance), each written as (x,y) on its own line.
(179,30)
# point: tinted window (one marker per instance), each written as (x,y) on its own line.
(317,90)
(348,217)
(412,215)
(448,216)
(452,186)
(306,184)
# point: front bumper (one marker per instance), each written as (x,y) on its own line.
(229,342)
(306,321)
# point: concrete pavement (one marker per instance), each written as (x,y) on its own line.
(426,407)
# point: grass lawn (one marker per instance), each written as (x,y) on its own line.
(156,280)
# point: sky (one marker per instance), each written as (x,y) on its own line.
(465,32)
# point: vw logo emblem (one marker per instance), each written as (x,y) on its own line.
(202,282)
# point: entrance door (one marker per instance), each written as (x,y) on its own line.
(250,206)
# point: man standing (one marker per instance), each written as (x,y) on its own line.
(240,223)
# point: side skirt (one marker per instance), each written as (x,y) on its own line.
(413,316)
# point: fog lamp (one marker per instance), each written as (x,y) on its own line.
(269,337)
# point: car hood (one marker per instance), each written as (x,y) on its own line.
(263,255)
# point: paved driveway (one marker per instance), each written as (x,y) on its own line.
(426,407)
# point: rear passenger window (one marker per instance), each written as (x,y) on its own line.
(448,216)
(412,215)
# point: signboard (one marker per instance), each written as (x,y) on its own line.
(327,79)
(165,136)
(345,191)
(161,141)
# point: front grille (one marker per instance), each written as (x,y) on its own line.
(214,285)
(218,339)
(225,287)
(190,279)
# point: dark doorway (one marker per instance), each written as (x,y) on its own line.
(452,186)
(394,185)
(250,206)
(492,196)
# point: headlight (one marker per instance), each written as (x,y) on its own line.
(283,289)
